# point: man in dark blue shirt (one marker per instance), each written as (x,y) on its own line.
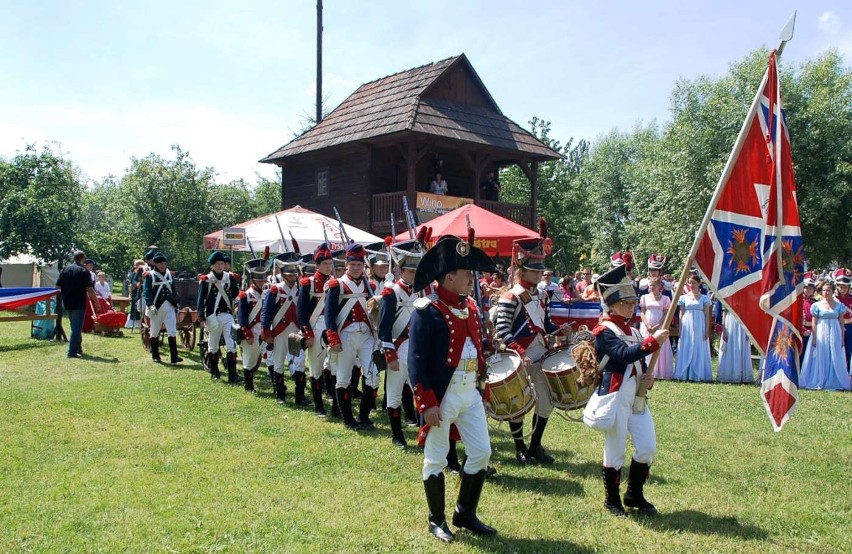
(75,282)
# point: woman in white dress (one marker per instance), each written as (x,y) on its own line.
(654,307)
(825,359)
(693,351)
(735,361)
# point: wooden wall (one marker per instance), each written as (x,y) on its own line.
(348,185)
(459,85)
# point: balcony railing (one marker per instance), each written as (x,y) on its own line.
(389,203)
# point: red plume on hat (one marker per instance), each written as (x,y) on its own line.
(428,234)
(295,244)
(471,236)
(388,241)
(421,234)
(628,260)
(542,228)
(266,253)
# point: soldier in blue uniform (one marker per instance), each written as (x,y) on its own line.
(249,311)
(524,325)
(395,308)
(279,320)
(446,363)
(622,352)
(162,306)
(309,310)
(216,295)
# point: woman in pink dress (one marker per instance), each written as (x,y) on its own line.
(654,307)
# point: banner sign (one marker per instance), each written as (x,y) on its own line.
(234,236)
(429,206)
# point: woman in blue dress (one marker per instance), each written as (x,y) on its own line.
(735,359)
(825,361)
(693,352)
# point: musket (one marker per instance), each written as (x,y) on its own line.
(253,255)
(341,227)
(477,292)
(281,234)
(325,236)
(390,246)
(409,220)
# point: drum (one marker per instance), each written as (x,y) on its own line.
(512,393)
(562,376)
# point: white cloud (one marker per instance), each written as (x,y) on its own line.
(829,23)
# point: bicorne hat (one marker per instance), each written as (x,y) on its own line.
(216,256)
(449,254)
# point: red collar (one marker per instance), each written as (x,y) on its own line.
(527,285)
(404,286)
(322,277)
(451,299)
(624,324)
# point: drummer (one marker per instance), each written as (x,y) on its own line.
(523,325)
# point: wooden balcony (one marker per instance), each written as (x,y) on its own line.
(389,203)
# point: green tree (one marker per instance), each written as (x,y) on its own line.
(267,194)
(110,229)
(39,213)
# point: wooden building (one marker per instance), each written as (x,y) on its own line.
(386,141)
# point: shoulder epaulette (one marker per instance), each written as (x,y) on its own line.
(305,281)
(423,303)
(333,283)
(202,277)
(235,275)
(387,292)
(242,294)
(599,329)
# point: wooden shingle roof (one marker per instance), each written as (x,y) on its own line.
(396,104)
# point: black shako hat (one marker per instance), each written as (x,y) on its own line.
(449,254)
(616,285)
(256,269)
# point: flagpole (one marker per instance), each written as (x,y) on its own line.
(786,35)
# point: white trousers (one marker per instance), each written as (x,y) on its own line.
(165,314)
(252,352)
(358,344)
(315,356)
(218,325)
(397,379)
(639,426)
(462,405)
(280,348)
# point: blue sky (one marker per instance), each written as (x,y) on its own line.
(232,81)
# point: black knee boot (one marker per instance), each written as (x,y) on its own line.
(316,393)
(353,384)
(280,388)
(249,380)
(397,436)
(435,499)
(331,389)
(155,350)
(411,418)
(634,497)
(214,366)
(299,395)
(344,401)
(231,362)
(469,493)
(521,453)
(365,408)
(612,481)
(536,451)
(173,355)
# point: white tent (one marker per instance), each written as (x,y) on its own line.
(25,270)
(306,227)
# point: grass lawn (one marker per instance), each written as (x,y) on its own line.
(112,453)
